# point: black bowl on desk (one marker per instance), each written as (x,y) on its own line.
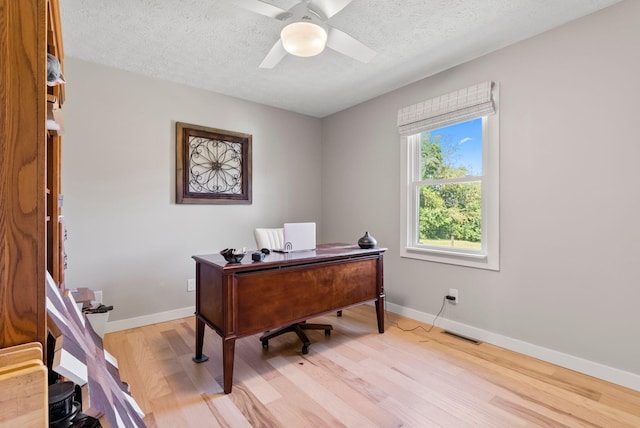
(231,256)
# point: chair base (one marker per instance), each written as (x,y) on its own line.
(297,328)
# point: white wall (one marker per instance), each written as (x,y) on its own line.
(570,241)
(127,236)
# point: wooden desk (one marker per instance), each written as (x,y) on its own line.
(242,299)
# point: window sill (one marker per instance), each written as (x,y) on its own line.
(474,260)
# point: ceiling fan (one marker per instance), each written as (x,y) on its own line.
(307,31)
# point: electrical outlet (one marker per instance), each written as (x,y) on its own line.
(454,293)
(97,296)
(191,284)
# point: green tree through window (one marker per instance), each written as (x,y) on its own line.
(450,198)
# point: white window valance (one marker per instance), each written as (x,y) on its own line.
(459,106)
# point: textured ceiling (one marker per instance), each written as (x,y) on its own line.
(218,46)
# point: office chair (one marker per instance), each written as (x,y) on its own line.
(274,239)
(269,238)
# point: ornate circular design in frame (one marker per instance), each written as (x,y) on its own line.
(213,166)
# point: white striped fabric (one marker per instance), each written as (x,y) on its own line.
(459,106)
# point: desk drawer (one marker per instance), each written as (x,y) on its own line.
(271,299)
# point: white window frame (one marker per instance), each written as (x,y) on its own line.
(488,257)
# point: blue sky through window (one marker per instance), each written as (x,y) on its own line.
(465,140)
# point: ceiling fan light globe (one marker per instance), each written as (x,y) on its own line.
(303,39)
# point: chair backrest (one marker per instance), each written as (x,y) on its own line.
(269,238)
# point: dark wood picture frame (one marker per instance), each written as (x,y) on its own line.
(213,166)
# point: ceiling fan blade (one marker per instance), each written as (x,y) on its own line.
(330,7)
(347,45)
(262,8)
(274,56)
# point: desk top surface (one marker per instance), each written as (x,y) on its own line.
(324,252)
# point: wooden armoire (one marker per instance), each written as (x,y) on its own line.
(31,230)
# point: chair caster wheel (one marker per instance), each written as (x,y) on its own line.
(265,344)
(327,332)
(305,349)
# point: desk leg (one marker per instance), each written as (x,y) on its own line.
(200,357)
(228,351)
(380,313)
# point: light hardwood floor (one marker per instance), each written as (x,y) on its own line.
(359,378)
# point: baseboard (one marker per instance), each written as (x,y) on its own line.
(600,371)
(149,319)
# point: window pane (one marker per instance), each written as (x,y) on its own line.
(451,152)
(451,215)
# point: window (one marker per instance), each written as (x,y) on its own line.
(450,178)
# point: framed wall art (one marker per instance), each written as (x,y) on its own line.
(213,166)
